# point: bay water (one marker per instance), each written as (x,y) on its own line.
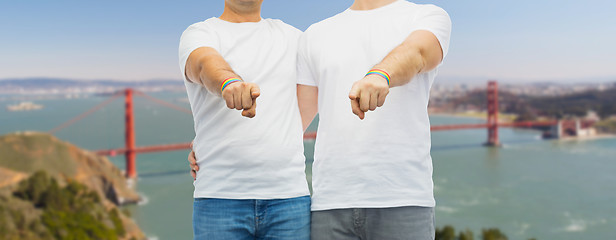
(528,188)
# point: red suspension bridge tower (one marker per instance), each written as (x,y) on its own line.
(129,125)
(492,93)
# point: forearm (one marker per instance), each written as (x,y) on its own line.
(307,98)
(420,52)
(402,64)
(207,67)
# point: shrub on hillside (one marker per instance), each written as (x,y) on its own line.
(69,212)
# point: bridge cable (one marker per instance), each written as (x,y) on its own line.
(164,103)
(85,114)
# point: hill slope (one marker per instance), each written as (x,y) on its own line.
(52,189)
(28,152)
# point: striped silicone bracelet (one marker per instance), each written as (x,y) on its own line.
(228,81)
(380,73)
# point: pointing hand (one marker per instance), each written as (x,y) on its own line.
(242,96)
(367,94)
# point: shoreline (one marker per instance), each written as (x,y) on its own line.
(599,136)
(510,117)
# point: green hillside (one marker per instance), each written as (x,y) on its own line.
(31,152)
(50,189)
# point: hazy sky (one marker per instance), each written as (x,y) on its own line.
(524,40)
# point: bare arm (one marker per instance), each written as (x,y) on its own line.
(307,98)
(207,67)
(420,52)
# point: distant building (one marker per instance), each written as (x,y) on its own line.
(592,116)
(24,106)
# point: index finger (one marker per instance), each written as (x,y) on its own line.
(354,94)
(356,110)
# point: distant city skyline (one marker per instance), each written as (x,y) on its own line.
(521,41)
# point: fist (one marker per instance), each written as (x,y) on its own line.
(367,94)
(242,96)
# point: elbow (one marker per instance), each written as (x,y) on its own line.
(431,57)
(200,74)
(422,63)
(193,71)
(418,60)
(428,61)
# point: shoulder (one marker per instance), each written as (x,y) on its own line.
(201,26)
(410,7)
(420,13)
(324,25)
(283,26)
(429,9)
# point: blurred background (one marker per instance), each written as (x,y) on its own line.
(547,172)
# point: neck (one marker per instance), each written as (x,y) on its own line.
(369,4)
(240,15)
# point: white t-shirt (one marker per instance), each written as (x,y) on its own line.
(239,157)
(384,160)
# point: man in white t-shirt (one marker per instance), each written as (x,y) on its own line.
(251,184)
(372,172)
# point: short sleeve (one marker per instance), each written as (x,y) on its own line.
(305,75)
(435,20)
(196,36)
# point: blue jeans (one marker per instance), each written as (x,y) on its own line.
(239,219)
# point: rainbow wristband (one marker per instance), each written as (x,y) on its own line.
(380,73)
(228,81)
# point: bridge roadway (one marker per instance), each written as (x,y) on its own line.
(313,135)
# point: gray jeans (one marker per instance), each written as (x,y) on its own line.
(398,223)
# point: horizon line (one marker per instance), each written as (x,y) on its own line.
(443,79)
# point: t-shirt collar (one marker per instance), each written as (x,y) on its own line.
(242,23)
(379,9)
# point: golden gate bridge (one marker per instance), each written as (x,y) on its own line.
(131,149)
